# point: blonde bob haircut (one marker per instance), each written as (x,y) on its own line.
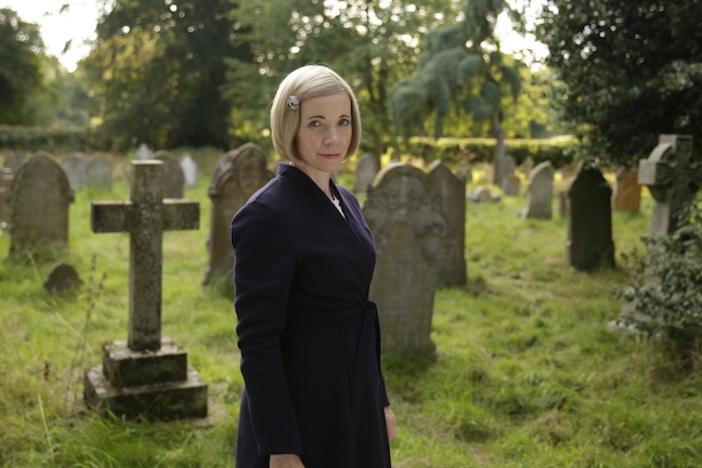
(306,83)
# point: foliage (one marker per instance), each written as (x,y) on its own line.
(631,70)
(21,51)
(461,65)
(371,44)
(156,70)
(50,139)
(666,294)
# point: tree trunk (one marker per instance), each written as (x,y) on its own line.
(498,154)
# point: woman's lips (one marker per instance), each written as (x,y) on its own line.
(330,155)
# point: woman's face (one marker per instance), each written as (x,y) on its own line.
(325,131)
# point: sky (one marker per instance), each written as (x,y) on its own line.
(77,24)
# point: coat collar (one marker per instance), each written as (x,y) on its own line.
(303,181)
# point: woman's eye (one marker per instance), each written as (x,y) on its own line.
(344,122)
(314,123)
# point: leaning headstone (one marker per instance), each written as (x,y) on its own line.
(189,167)
(540,192)
(148,375)
(590,244)
(99,173)
(451,190)
(406,223)
(482,194)
(38,205)
(173,176)
(6,178)
(143,152)
(673,174)
(366,170)
(62,277)
(627,191)
(239,174)
(16,160)
(75,167)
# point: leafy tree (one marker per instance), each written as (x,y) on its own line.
(631,70)
(21,55)
(157,69)
(461,64)
(371,44)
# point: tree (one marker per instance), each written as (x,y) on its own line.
(371,44)
(157,69)
(631,71)
(21,53)
(461,64)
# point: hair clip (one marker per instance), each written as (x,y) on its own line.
(293,102)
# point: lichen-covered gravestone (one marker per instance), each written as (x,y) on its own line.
(590,244)
(627,191)
(99,173)
(75,167)
(451,191)
(406,222)
(147,375)
(366,170)
(238,175)
(673,175)
(540,192)
(174,179)
(38,205)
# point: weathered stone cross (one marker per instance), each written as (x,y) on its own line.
(673,174)
(145,217)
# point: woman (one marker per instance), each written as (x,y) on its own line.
(314,393)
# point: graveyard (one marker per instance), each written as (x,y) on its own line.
(525,370)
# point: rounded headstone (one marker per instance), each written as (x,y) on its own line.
(62,277)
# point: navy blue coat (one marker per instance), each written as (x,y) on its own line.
(308,334)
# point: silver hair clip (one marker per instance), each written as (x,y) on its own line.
(293,102)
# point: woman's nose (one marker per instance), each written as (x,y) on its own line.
(330,136)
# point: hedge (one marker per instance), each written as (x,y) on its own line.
(47,139)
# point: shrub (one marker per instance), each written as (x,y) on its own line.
(666,295)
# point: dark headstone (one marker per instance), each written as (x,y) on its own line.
(62,277)
(590,244)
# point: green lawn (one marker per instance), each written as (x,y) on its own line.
(527,373)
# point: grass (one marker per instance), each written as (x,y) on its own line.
(527,373)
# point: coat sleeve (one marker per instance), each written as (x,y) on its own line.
(263,272)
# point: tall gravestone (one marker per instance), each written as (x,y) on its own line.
(99,173)
(38,205)
(189,167)
(673,175)
(148,375)
(590,244)
(6,178)
(366,170)
(238,175)
(627,191)
(451,191)
(511,184)
(540,192)
(75,167)
(406,223)
(174,179)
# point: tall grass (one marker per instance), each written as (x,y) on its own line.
(527,373)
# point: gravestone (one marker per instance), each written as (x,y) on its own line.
(673,175)
(38,205)
(540,192)
(464,172)
(147,375)
(143,152)
(16,160)
(99,173)
(75,167)
(6,178)
(482,194)
(627,191)
(62,277)
(563,204)
(527,166)
(590,244)
(406,223)
(189,167)
(238,175)
(451,262)
(174,179)
(366,170)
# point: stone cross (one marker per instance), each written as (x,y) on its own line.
(145,218)
(673,175)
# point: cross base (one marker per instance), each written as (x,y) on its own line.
(124,367)
(163,401)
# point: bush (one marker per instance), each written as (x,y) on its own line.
(666,294)
(48,139)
